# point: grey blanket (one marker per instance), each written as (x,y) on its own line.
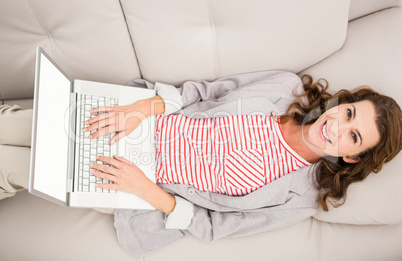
(281,203)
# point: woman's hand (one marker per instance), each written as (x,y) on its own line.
(127,177)
(121,119)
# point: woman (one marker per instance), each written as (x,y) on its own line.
(342,148)
(346,136)
(348,141)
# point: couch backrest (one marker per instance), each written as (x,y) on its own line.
(88,39)
(181,40)
(175,40)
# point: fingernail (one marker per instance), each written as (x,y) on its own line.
(90,136)
(91,165)
(84,129)
(97,157)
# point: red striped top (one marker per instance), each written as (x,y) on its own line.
(232,155)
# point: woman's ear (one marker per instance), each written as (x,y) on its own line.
(351,160)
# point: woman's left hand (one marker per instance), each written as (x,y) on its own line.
(125,175)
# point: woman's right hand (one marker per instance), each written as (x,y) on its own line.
(121,119)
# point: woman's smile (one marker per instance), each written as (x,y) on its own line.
(324,133)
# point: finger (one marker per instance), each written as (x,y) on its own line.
(99,124)
(102,109)
(110,161)
(118,136)
(104,168)
(124,160)
(98,117)
(113,186)
(101,132)
(103,175)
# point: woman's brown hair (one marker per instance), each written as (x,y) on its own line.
(333,175)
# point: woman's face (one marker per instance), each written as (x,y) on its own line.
(344,131)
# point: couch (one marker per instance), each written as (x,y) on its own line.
(349,43)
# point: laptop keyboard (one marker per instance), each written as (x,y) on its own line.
(90,148)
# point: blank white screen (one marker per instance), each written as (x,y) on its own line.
(52,140)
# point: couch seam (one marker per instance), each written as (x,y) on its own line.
(131,38)
(44,28)
(377,11)
(213,39)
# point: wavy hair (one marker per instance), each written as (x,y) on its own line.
(333,176)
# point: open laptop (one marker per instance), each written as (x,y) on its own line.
(61,151)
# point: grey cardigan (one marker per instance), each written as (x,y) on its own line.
(281,203)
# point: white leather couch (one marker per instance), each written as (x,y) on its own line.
(349,43)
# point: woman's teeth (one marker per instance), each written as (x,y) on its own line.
(324,132)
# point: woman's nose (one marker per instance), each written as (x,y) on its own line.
(339,128)
(333,128)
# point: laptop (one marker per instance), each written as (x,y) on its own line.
(61,151)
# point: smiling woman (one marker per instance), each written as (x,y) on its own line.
(353,132)
(236,175)
(348,135)
(340,133)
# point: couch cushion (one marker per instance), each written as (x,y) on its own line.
(36,229)
(371,55)
(88,39)
(190,40)
(358,243)
(296,242)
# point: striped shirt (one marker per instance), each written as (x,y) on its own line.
(232,155)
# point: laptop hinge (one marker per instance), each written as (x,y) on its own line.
(73,139)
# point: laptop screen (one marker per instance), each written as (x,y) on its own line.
(50,136)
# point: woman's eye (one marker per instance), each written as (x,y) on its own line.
(349,113)
(354,137)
